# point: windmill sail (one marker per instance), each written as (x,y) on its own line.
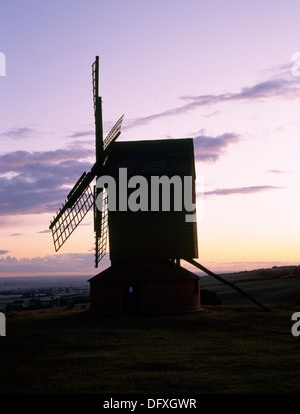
(79,201)
(113,134)
(101,227)
(81,198)
(95,80)
(83,182)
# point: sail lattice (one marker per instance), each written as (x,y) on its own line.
(68,218)
(101,233)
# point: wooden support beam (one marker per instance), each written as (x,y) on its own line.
(226,282)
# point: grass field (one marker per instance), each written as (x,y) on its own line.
(276,291)
(220,350)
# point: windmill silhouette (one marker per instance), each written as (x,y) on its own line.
(145,247)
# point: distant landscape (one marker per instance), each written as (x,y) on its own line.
(276,285)
(23,282)
(39,292)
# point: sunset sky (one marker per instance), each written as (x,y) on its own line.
(218,71)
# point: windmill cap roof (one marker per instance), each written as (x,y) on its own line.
(144,271)
(151,156)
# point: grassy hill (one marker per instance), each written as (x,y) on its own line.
(277,285)
(220,350)
(232,348)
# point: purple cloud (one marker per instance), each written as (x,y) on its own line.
(18,132)
(241,190)
(38,182)
(51,264)
(273,88)
(80,134)
(278,171)
(16,161)
(209,148)
(268,89)
(3,252)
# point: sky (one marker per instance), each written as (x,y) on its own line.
(223,73)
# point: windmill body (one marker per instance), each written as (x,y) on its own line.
(148,234)
(146,246)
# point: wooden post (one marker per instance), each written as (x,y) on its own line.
(226,282)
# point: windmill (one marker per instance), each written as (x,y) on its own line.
(82,198)
(145,246)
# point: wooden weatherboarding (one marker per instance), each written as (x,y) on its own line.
(145,247)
